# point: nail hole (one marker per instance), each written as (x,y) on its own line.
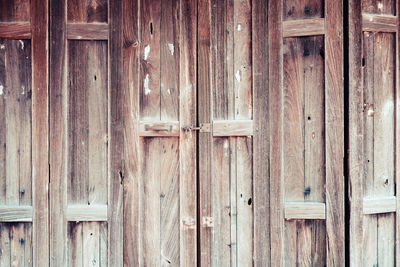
(151,28)
(249,202)
(363,62)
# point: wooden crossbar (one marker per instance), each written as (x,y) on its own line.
(87,31)
(16,213)
(15,30)
(87,213)
(303,27)
(305,210)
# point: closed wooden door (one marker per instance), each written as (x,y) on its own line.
(86,133)
(373,133)
(24,169)
(306,124)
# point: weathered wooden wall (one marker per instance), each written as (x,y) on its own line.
(23,133)
(374,113)
(306,124)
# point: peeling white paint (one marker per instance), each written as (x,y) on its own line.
(2,46)
(387,109)
(146,52)
(237,75)
(146,85)
(171,48)
(23,89)
(239,27)
(22,44)
(380,5)
(1,89)
(169,91)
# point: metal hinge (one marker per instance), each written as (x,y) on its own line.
(203,128)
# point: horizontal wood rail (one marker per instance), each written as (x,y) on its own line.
(15,30)
(379,23)
(232,128)
(16,213)
(92,213)
(379,205)
(87,31)
(218,128)
(303,27)
(159,128)
(305,210)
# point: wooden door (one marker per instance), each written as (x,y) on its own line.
(160,144)
(306,133)
(373,133)
(86,133)
(233,140)
(24,169)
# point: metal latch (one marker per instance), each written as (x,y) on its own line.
(203,128)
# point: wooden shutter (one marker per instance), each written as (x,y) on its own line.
(373,120)
(233,140)
(160,155)
(24,168)
(306,133)
(86,133)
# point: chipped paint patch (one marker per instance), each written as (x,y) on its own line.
(1,89)
(380,5)
(146,85)
(22,44)
(171,48)
(146,52)
(387,109)
(169,91)
(237,75)
(239,27)
(2,46)
(23,90)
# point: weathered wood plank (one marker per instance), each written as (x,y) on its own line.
(379,205)
(205,75)
(261,180)
(150,100)
(305,27)
(116,145)
(334,123)
(5,256)
(85,31)
(91,246)
(276,132)
(15,10)
(87,10)
(75,249)
(17,247)
(133,161)
(159,128)
(81,213)
(187,144)
(302,9)
(15,30)
(59,255)
(379,23)
(305,210)
(11,213)
(232,128)
(386,7)
(397,136)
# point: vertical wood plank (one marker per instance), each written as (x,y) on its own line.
(261,179)
(334,132)
(397,136)
(356,139)
(187,145)
(87,11)
(17,245)
(150,14)
(132,48)
(91,246)
(16,10)
(205,75)
(28,245)
(275,118)
(3,144)
(75,241)
(116,147)
(5,245)
(40,132)
(58,138)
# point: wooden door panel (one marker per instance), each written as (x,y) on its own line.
(23,134)
(86,133)
(306,117)
(373,117)
(160,150)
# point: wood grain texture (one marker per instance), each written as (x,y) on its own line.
(159,128)
(261,157)
(16,10)
(302,9)
(334,121)
(132,152)
(187,144)
(386,7)
(276,132)
(379,23)
(15,30)
(232,128)
(16,213)
(81,213)
(58,140)
(16,244)
(306,27)
(87,11)
(305,210)
(116,145)
(85,31)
